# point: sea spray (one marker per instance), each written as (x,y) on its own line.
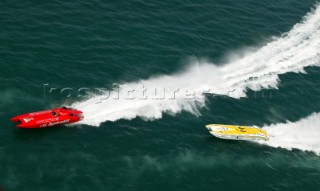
(303,134)
(256,70)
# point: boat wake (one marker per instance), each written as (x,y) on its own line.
(184,91)
(303,134)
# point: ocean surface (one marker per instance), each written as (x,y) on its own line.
(149,75)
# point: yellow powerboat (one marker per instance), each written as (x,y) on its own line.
(237,132)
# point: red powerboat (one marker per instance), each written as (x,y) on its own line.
(48,118)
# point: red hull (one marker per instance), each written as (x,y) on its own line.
(48,118)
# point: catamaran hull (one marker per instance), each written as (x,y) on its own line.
(239,137)
(48,118)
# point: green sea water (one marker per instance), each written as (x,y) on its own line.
(159,145)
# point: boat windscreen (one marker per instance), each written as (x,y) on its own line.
(55,113)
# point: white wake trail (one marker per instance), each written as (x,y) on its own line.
(303,134)
(255,70)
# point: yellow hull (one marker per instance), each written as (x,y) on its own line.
(237,132)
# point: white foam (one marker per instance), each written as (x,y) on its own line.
(256,70)
(303,134)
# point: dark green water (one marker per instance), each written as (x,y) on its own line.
(98,43)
